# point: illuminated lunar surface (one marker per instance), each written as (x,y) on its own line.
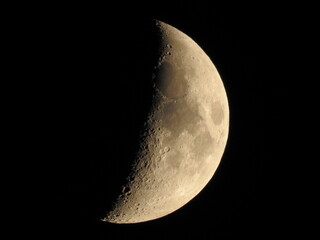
(184,137)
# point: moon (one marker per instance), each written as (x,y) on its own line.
(184,136)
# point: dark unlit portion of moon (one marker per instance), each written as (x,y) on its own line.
(184,136)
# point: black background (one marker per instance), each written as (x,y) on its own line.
(90,61)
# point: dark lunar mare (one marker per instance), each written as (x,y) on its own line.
(97,82)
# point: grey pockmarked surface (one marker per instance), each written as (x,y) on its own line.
(184,137)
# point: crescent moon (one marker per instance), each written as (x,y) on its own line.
(185,134)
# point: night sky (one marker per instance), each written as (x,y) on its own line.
(88,61)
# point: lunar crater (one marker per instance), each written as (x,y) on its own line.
(170,82)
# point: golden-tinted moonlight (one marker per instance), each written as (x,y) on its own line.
(185,135)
